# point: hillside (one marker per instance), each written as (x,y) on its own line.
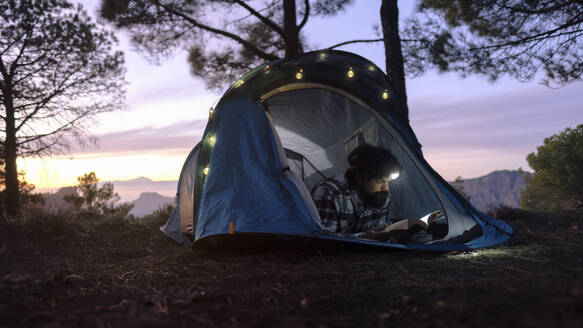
(148,202)
(121,274)
(495,189)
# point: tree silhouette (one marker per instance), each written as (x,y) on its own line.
(57,71)
(518,38)
(557,183)
(224,38)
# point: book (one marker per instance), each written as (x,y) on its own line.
(402,229)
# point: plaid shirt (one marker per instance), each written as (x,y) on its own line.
(342,211)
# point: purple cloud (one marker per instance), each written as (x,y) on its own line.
(178,136)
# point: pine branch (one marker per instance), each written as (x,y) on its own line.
(536,37)
(262,18)
(544,10)
(355,41)
(260,10)
(245,43)
(306,15)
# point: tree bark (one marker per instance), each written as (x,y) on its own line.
(393,54)
(12,193)
(290,28)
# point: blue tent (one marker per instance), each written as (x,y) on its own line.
(289,123)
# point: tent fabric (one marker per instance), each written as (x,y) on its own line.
(182,217)
(246,185)
(289,123)
(293,176)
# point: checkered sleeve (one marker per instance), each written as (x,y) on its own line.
(324,200)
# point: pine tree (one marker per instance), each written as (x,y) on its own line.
(57,71)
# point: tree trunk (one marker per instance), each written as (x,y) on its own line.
(393,53)
(12,193)
(290,28)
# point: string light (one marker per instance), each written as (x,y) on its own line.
(239,83)
(385,94)
(371,68)
(212,140)
(323,56)
(211,111)
(350,72)
(267,70)
(206,170)
(300,74)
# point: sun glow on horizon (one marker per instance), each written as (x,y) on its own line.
(61,171)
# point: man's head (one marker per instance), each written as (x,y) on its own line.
(371,170)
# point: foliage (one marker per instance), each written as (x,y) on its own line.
(58,69)
(458,184)
(221,47)
(97,200)
(156,219)
(26,190)
(517,38)
(557,183)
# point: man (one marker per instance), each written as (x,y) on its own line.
(359,200)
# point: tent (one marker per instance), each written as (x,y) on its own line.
(287,124)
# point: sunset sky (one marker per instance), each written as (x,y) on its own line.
(468,127)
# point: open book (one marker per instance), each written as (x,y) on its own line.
(401,228)
(400,231)
(407,224)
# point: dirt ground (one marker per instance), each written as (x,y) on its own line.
(117,274)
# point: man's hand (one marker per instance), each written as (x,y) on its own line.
(377,233)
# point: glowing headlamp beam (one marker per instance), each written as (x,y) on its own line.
(394,176)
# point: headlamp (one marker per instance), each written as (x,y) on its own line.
(394,176)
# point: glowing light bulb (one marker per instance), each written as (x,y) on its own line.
(266,69)
(211,111)
(239,83)
(323,56)
(212,140)
(385,94)
(350,72)
(371,68)
(206,170)
(394,175)
(300,74)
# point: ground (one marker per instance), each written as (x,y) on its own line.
(119,274)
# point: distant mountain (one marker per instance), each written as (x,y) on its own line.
(495,189)
(148,202)
(130,190)
(146,195)
(54,201)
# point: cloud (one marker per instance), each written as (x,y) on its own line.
(177,90)
(166,139)
(487,133)
(507,120)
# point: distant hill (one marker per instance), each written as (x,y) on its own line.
(489,191)
(495,189)
(130,190)
(148,202)
(146,195)
(54,201)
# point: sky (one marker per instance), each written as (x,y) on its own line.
(468,127)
